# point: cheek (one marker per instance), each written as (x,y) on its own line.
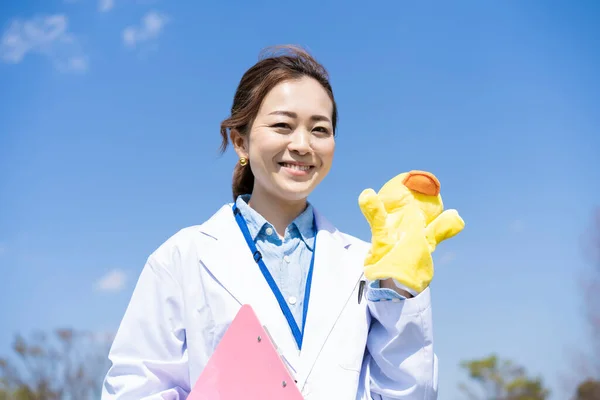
(326,151)
(265,146)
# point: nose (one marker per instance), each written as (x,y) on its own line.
(300,141)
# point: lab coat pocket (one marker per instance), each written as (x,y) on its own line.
(350,337)
(351,351)
(218,333)
(222,321)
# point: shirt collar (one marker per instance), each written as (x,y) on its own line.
(304,223)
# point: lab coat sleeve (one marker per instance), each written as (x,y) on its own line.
(403,365)
(149,356)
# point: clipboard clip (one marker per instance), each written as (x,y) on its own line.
(287,364)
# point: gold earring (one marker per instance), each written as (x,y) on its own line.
(243,161)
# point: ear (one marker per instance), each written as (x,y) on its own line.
(239,142)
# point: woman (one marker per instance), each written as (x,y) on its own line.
(282,126)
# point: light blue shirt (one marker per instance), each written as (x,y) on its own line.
(288,259)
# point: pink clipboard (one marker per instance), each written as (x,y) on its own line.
(245,365)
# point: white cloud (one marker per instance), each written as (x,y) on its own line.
(44,35)
(78,63)
(113,281)
(151,27)
(106,5)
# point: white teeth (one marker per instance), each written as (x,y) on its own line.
(297,167)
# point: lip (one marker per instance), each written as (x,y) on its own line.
(285,166)
(300,164)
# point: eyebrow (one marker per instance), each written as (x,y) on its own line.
(294,115)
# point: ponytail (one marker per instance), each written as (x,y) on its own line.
(243,180)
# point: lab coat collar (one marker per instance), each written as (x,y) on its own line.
(334,280)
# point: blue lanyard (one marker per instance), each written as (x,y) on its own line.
(297,332)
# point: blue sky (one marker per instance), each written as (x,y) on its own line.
(109,140)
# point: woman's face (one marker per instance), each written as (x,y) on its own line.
(290,145)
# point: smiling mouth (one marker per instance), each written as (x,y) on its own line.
(296,166)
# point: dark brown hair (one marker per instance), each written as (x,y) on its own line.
(275,65)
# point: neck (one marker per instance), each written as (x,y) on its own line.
(279,213)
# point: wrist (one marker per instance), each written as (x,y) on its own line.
(391,284)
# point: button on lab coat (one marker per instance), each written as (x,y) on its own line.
(193,285)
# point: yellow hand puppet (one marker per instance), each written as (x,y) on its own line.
(408,221)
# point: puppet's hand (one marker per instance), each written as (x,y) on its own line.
(444,226)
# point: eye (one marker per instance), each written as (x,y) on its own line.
(281,125)
(322,129)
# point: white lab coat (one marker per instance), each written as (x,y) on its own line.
(193,285)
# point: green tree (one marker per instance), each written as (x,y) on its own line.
(495,379)
(586,372)
(65,365)
(591,296)
(588,390)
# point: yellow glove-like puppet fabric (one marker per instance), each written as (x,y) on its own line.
(407,223)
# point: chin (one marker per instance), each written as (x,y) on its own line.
(298,196)
(292,189)
(295,192)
